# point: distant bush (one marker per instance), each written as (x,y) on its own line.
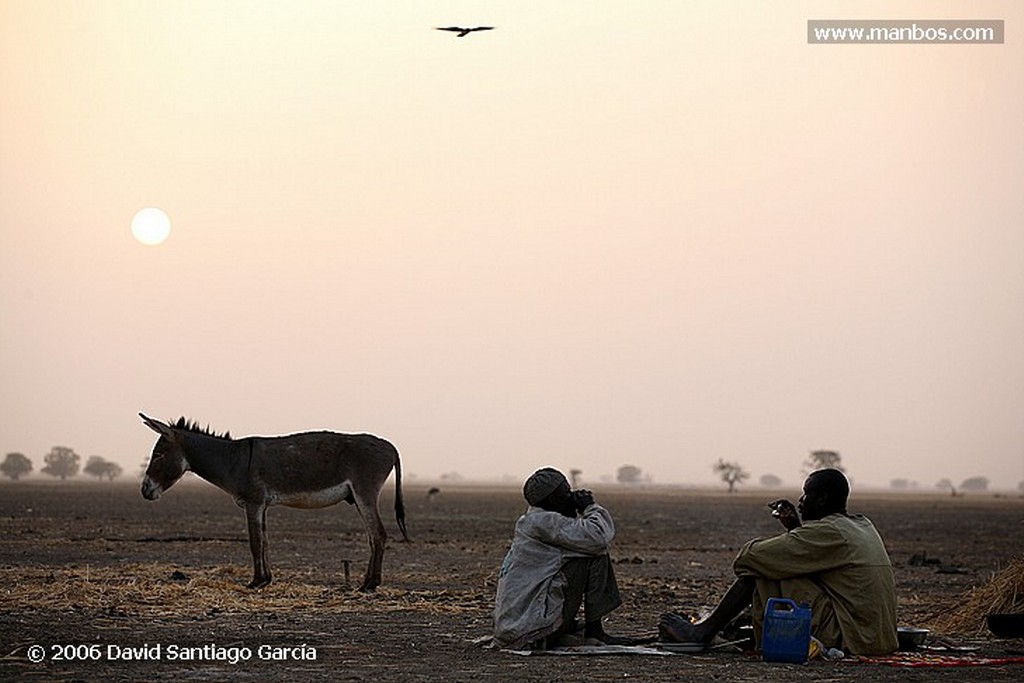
(100,468)
(975,484)
(629,474)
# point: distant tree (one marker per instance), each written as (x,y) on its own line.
(820,460)
(1020,487)
(730,472)
(15,465)
(100,468)
(629,474)
(95,466)
(61,462)
(974,484)
(899,483)
(574,477)
(113,471)
(946,485)
(770,481)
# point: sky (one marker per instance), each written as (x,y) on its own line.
(602,234)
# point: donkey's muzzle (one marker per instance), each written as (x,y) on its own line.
(150,489)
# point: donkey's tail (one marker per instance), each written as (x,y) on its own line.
(399,501)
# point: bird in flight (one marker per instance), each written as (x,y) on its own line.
(465,31)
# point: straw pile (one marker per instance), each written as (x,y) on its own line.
(163,590)
(1004,594)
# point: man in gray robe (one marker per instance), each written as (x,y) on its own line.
(558,561)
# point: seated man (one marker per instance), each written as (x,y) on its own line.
(835,562)
(558,560)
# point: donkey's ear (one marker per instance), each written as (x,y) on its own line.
(157,426)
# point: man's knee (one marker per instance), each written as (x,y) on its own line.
(586,569)
(591,579)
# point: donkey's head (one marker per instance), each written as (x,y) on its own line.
(167,463)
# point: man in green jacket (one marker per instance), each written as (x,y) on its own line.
(833,561)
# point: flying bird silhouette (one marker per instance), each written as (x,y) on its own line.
(464,31)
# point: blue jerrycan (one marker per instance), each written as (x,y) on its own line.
(786,634)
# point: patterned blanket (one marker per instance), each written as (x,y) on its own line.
(914,659)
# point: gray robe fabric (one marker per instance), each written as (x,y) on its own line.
(528,605)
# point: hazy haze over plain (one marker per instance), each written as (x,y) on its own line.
(605,233)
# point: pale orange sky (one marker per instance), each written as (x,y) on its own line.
(605,233)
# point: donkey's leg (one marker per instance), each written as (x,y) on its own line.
(256,515)
(377,536)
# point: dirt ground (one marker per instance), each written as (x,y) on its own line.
(94,575)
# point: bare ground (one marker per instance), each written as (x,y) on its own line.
(98,568)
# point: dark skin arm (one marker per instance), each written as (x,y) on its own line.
(568,503)
(583,498)
(786,513)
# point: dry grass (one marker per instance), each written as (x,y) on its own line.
(1004,594)
(156,590)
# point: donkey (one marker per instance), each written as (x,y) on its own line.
(307,470)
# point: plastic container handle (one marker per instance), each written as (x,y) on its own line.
(781,604)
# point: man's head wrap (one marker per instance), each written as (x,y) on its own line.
(542,484)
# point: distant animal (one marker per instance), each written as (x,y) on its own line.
(306,470)
(463,32)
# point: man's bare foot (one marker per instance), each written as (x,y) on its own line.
(594,631)
(677,629)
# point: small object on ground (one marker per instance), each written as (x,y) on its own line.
(178,575)
(922,560)
(819,650)
(952,570)
(1006,625)
(345,564)
(911,638)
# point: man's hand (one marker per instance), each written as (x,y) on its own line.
(786,513)
(583,498)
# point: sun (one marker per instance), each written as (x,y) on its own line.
(151,226)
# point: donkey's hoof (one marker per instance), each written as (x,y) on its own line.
(258,583)
(368,587)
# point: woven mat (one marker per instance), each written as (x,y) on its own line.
(578,650)
(915,659)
